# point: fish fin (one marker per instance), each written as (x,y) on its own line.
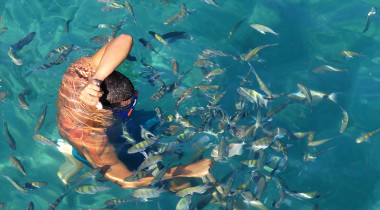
(332,97)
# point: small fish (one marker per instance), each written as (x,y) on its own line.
(129,7)
(173,19)
(187,94)
(253,96)
(249,198)
(17,163)
(115,30)
(118,201)
(44,140)
(3,30)
(214,101)
(165,2)
(204,63)
(146,134)
(17,61)
(126,135)
(369,18)
(206,87)
(146,193)
(246,78)
(319,142)
(10,140)
(278,109)
(191,190)
(186,136)
(100,40)
(323,68)
(172,87)
(34,185)
(282,194)
(263,29)
(228,186)
(349,54)
(222,149)
(67,25)
(213,73)
(244,186)
(62,58)
(174,66)
(54,205)
(365,136)
(3,94)
(30,206)
(310,157)
(310,137)
(175,35)
(17,186)
(140,175)
(22,100)
(184,203)
(253,52)
(159,38)
(236,26)
(159,93)
(177,16)
(316,96)
(306,92)
(141,146)
(57,51)
(210,53)
(303,195)
(21,43)
(90,189)
(91,174)
(106,25)
(183,121)
(148,45)
(262,86)
(212,2)
(112,6)
(262,143)
(300,135)
(148,162)
(160,114)
(161,173)
(344,120)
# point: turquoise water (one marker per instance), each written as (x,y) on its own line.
(347,177)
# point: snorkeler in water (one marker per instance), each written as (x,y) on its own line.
(91,96)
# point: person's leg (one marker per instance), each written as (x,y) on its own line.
(71,166)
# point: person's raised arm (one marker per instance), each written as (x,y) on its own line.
(107,59)
(111,55)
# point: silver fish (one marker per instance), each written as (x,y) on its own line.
(263,29)
(10,140)
(369,18)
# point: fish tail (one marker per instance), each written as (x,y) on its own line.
(27,74)
(332,97)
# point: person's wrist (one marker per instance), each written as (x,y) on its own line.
(96,81)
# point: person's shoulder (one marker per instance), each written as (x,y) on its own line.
(82,67)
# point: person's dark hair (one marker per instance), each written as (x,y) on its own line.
(116,88)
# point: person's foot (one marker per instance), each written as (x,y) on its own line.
(198,169)
(71,166)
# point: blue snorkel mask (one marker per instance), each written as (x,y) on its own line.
(126,111)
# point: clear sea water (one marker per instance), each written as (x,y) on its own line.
(347,176)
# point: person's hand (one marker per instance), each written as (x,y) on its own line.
(91,93)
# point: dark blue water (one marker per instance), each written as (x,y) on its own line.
(347,177)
